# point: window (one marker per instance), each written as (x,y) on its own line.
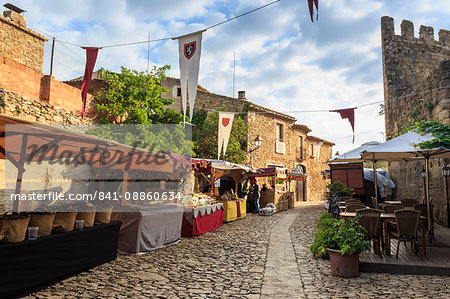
(280,132)
(312,149)
(179,92)
(300,147)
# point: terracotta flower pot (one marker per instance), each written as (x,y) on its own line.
(343,265)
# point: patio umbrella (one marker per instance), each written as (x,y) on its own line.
(403,148)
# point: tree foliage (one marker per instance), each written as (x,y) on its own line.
(205,136)
(133,103)
(134,97)
(439,131)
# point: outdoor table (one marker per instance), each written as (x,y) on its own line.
(200,220)
(393,202)
(385,218)
(32,265)
(149,228)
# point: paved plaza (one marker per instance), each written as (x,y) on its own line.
(256,257)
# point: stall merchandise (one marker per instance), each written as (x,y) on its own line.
(201,219)
(149,228)
(212,170)
(32,265)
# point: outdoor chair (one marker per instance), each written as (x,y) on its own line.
(374,202)
(422,207)
(345,198)
(370,220)
(406,223)
(352,201)
(354,206)
(409,203)
(390,209)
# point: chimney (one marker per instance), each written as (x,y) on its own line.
(14,15)
(241,94)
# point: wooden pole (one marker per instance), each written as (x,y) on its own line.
(20,171)
(51,59)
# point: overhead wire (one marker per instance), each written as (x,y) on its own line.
(165,38)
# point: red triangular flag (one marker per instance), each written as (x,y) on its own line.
(311,8)
(91,57)
(348,113)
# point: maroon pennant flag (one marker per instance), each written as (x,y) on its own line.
(348,113)
(91,57)
(311,4)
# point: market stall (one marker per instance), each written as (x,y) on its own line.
(214,174)
(277,190)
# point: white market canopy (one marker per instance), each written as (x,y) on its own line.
(354,156)
(402,148)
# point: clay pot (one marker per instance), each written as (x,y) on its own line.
(88,218)
(343,265)
(13,229)
(64,221)
(44,222)
(103,217)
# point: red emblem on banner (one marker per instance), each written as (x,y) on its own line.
(225,121)
(189,49)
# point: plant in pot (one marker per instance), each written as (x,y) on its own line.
(340,189)
(323,236)
(345,241)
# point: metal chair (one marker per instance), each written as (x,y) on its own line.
(390,209)
(409,203)
(354,206)
(406,222)
(370,220)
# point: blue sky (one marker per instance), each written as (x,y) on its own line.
(283,61)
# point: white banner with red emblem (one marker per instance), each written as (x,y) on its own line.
(225,124)
(189,57)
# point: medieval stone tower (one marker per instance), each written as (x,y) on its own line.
(416,75)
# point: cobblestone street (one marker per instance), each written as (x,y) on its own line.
(242,260)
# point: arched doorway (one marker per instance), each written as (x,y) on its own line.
(300,186)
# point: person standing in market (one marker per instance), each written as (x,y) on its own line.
(256,195)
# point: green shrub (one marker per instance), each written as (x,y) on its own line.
(345,236)
(340,189)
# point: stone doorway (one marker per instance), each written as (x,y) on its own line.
(300,186)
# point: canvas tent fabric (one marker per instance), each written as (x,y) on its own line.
(205,165)
(354,156)
(402,148)
(382,180)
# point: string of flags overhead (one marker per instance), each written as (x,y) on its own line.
(189,59)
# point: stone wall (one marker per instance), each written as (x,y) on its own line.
(16,105)
(21,44)
(416,75)
(20,79)
(21,107)
(412,72)
(205,100)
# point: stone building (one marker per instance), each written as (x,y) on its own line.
(416,76)
(25,93)
(285,143)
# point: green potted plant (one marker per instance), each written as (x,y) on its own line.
(323,236)
(345,241)
(340,189)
